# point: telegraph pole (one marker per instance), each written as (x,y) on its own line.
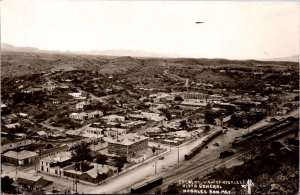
(1,163)
(73,183)
(17,163)
(76,185)
(178,153)
(155,166)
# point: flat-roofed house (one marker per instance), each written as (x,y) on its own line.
(114,118)
(55,164)
(127,145)
(94,175)
(23,157)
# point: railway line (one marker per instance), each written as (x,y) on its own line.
(200,170)
(197,149)
(294,128)
(263,134)
(193,168)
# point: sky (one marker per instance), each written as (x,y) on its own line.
(233,30)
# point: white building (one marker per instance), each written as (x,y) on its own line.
(114,118)
(50,86)
(138,159)
(114,132)
(79,116)
(81,105)
(94,130)
(77,95)
(55,164)
(94,114)
(148,116)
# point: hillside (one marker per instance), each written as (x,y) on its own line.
(24,63)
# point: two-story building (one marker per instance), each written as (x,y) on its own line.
(128,145)
(55,164)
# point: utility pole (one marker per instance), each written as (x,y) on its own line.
(1,163)
(155,166)
(76,181)
(73,183)
(94,145)
(98,176)
(17,163)
(178,153)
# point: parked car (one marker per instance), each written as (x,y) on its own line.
(161,158)
(226,153)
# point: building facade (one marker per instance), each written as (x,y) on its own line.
(21,158)
(55,164)
(127,145)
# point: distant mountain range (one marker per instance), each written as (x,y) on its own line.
(133,53)
(8,47)
(294,58)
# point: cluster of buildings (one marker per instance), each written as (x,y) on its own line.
(127,127)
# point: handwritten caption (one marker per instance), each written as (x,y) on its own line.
(210,186)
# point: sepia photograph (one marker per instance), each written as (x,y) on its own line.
(149,97)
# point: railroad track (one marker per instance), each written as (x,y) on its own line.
(294,128)
(265,132)
(198,170)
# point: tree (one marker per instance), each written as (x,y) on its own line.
(153,149)
(275,145)
(120,161)
(101,159)
(82,152)
(168,116)
(103,176)
(206,128)
(178,98)
(209,119)
(172,189)
(183,124)
(118,125)
(6,186)
(48,146)
(157,191)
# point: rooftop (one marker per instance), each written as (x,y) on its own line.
(128,139)
(20,155)
(14,125)
(113,116)
(60,157)
(99,169)
(59,148)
